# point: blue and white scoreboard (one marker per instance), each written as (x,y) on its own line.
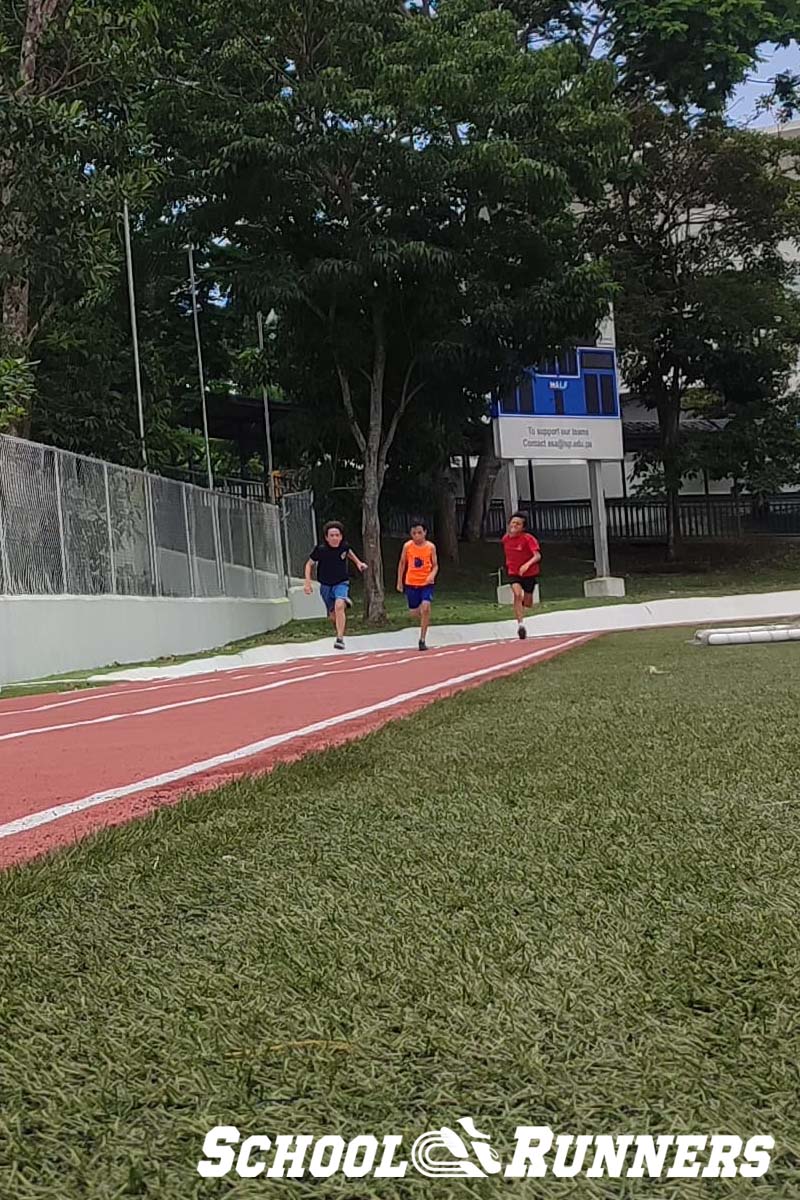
(565,410)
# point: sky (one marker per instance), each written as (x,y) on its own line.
(743,106)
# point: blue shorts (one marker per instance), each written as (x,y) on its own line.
(417,595)
(331,592)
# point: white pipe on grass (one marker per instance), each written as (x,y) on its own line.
(759,635)
(703,634)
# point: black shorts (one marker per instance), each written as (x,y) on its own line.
(526,582)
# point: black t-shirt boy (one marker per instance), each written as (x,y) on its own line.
(331,563)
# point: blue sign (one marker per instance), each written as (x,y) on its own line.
(579,383)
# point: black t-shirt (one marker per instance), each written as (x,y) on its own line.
(331,563)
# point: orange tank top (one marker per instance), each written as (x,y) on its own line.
(419,563)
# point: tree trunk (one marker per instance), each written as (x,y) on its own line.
(480,493)
(372,475)
(374,445)
(669,414)
(374,601)
(445,517)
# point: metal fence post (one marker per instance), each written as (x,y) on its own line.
(60,513)
(6,574)
(284,529)
(189,555)
(217,542)
(277,540)
(230,539)
(252,549)
(313,517)
(110,532)
(4,568)
(151,532)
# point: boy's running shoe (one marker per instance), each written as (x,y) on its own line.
(522,633)
(422,644)
(339,644)
(348,603)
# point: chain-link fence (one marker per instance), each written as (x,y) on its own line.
(299,530)
(78,526)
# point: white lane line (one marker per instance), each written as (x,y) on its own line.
(57,812)
(108,718)
(114,693)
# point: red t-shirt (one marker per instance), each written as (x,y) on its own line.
(519,550)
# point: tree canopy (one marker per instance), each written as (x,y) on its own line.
(696,231)
(429,194)
(401,190)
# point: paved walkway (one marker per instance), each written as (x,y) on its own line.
(656,614)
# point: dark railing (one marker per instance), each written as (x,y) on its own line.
(645,520)
(396,523)
(629,520)
(248,489)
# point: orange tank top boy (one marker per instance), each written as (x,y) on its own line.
(419,563)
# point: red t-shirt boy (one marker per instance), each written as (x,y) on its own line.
(523,557)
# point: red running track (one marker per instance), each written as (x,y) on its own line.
(75,763)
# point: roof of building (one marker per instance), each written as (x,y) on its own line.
(789,129)
(640,425)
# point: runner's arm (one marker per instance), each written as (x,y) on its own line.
(401,568)
(309,568)
(434,566)
(361,566)
(535,558)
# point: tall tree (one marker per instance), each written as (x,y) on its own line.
(401,189)
(86,398)
(677,53)
(682,55)
(750,374)
(696,234)
(70,146)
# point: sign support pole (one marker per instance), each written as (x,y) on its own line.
(602,563)
(603,583)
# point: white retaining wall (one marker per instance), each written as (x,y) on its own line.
(43,636)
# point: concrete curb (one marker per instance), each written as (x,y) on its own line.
(620,618)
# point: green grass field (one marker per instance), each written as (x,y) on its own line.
(568,898)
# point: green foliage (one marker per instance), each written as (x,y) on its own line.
(783,100)
(17,387)
(398,180)
(72,144)
(694,51)
(697,233)
(401,190)
(679,53)
(758,446)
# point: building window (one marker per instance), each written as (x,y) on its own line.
(608,404)
(592,391)
(565,363)
(597,360)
